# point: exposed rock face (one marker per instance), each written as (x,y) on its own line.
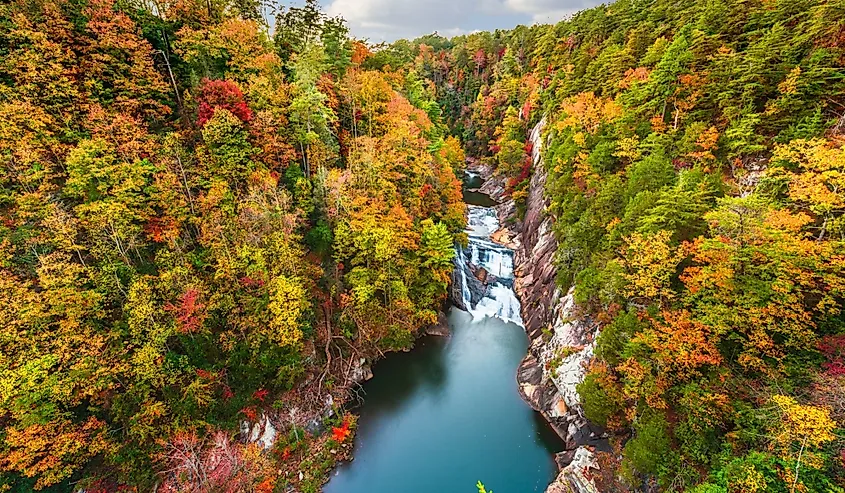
(478,168)
(493,186)
(750,176)
(261,432)
(456,285)
(562,340)
(555,365)
(576,475)
(361,371)
(535,268)
(441,328)
(465,278)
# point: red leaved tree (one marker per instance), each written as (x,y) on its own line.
(226,94)
(190,312)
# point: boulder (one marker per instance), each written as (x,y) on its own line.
(529,376)
(361,371)
(506,238)
(315,427)
(563,459)
(262,432)
(440,328)
(576,476)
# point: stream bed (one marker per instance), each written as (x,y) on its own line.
(447,414)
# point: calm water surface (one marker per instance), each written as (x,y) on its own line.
(446,415)
(474,182)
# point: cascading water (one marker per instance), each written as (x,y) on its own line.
(466,293)
(494,296)
(426,423)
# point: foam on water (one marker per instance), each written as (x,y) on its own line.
(499,301)
(482,221)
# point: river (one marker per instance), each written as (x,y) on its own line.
(448,414)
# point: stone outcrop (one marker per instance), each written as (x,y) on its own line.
(555,365)
(535,271)
(575,476)
(466,273)
(360,371)
(456,285)
(262,432)
(441,328)
(562,339)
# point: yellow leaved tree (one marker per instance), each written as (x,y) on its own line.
(287,304)
(801,431)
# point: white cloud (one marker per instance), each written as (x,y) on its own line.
(391,19)
(549,11)
(387,20)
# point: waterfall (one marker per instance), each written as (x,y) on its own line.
(494,258)
(495,297)
(465,291)
(500,303)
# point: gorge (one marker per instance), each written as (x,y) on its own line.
(600,255)
(455,399)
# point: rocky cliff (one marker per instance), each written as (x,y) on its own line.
(562,339)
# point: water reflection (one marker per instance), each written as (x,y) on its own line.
(419,372)
(442,417)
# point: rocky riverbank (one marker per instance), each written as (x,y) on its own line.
(562,339)
(318,450)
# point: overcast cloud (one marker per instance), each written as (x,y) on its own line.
(388,20)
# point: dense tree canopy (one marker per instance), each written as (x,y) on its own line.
(198,222)
(203,219)
(694,153)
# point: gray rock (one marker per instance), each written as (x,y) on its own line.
(262,433)
(563,459)
(481,169)
(477,288)
(495,189)
(361,371)
(315,427)
(576,476)
(441,328)
(456,296)
(561,339)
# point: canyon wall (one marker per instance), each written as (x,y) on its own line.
(562,338)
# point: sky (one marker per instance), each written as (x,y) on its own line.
(389,20)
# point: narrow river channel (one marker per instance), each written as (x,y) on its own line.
(448,414)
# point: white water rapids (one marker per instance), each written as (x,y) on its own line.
(499,300)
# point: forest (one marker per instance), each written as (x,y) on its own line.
(207,214)
(696,176)
(201,221)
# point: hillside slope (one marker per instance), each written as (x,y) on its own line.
(694,179)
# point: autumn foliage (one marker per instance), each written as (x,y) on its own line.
(341,433)
(226,94)
(694,181)
(203,223)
